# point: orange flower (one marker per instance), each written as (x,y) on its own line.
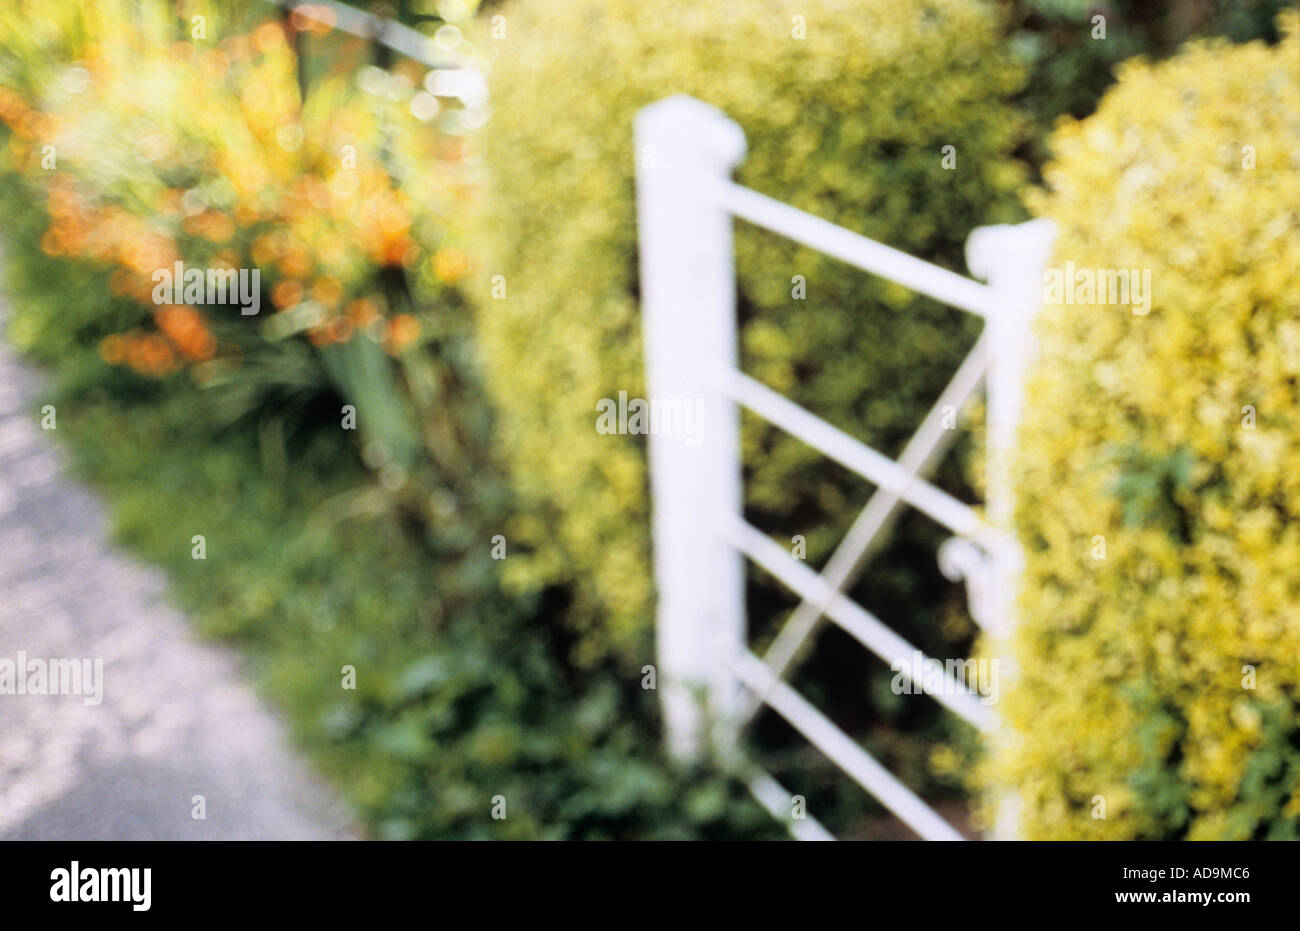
(393,251)
(315,191)
(327,290)
(393,219)
(450,265)
(11,104)
(363,312)
(296,263)
(340,329)
(216,63)
(286,294)
(402,331)
(33,125)
(264,250)
(268,36)
(151,355)
(237,47)
(184,327)
(202,347)
(220,228)
(169,201)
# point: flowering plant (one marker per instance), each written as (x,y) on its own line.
(201,143)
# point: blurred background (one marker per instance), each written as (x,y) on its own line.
(394,464)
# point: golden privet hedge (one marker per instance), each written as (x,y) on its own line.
(847,106)
(1159,475)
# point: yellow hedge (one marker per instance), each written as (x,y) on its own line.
(1174,436)
(847,105)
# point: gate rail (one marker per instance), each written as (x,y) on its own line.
(712,684)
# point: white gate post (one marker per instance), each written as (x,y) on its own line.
(1012,260)
(683,147)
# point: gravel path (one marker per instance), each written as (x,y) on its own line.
(176,719)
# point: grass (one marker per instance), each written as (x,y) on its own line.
(462,694)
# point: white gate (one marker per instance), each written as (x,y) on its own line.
(712,684)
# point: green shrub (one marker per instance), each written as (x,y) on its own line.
(1072,56)
(847,123)
(1169,439)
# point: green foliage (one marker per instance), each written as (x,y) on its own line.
(848,123)
(1072,61)
(463,693)
(1162,678)
(460,694)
